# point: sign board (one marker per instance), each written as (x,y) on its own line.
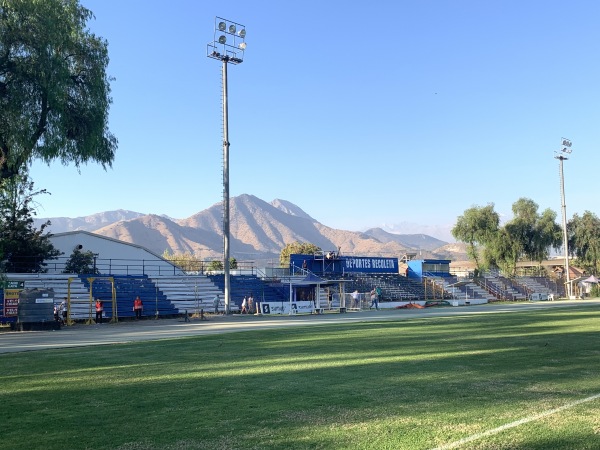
(369,264)
(11,297)
(302,307)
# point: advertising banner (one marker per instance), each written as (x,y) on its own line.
(11,297)
(302,307)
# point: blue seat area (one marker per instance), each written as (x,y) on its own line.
(244,285)
(127,287)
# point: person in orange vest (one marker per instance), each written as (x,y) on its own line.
(138,307)
(99,310)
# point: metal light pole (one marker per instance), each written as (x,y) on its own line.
(561,156)
(231,52)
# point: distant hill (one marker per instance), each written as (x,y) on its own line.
(259,230)
(412,241)
(88,223)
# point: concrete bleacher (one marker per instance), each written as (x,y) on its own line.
(557,287)
(189,293)
(467,290)
(59,283)
(394,287)
(502,288)
(534,286)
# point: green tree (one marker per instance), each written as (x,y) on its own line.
(477,227)
(24,247)
(548,235)
(54,91)
(533,233)
(185,261)
(503,251)
(529,235)
(80,262)
(584,240)
(296,248)
(218,265)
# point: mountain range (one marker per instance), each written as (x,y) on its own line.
(258,232)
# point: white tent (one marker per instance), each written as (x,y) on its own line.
(586,284)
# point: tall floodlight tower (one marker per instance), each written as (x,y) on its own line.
(561,155)
(228,45)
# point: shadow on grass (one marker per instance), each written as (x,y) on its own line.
(406,384)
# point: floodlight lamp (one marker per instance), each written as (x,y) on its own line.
(222,26)
(232,29)
(222,39)
(242,33)
(242,46)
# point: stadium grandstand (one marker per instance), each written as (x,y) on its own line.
(312,283)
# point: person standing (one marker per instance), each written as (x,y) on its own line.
(64,310)
(99,310)
(244,306)
(216,303)
(355,298)
(374,299)
(138,307)
(251,304)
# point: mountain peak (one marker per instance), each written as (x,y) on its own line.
(259,230)
(291,209)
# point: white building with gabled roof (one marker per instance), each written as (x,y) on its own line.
(111,256)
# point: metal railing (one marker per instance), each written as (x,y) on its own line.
(126,266)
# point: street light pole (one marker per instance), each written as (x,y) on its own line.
(561,156)
(231,52)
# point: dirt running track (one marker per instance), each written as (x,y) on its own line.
(148,330)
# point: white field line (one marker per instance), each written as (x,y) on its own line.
(516,423)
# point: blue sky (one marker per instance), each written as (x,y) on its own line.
(400,114)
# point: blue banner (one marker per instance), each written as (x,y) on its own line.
(369,264)
(343,264)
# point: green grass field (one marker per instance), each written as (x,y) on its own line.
(410,384)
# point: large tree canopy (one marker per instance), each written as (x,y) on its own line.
(477,227)
(23,247)
(533,233)
(299,248)
(528,235)
(584,240)
(54,91)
